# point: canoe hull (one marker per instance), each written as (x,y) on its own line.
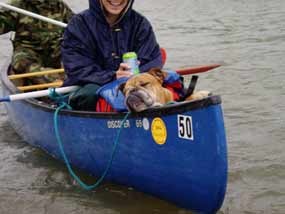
(178,153)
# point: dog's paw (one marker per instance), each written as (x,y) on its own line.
(198,95)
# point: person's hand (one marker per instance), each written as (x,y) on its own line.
(123,71)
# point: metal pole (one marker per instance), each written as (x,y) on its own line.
(36,16)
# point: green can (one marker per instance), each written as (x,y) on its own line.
(131,59)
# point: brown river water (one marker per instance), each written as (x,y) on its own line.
(248,39)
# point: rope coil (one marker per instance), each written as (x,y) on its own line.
(60,99)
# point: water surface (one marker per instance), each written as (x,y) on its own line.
(248,39)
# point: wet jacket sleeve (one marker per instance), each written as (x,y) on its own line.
(78,57)
(8,19)
(147,47)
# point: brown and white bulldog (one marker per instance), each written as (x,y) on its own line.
(145,90)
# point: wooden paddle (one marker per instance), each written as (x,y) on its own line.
(184,71)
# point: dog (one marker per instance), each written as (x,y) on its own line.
(145,90)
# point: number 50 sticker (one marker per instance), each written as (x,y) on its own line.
(185,128)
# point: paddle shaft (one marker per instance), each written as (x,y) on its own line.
(34,15)
(36,94)
(184,71)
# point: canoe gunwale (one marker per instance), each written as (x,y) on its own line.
(171,109)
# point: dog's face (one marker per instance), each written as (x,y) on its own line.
(145,90)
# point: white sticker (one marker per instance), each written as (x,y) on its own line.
(145,124)
(185,128)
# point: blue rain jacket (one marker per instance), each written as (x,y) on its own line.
(92,50)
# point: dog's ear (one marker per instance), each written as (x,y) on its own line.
(121,88)
(158,74)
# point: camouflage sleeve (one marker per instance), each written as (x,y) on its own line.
(67,12)
(8,18)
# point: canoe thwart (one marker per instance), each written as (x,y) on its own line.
(40,86)
(34,74)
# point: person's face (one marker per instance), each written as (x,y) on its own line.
(114,7)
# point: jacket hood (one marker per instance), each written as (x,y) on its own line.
(96,8)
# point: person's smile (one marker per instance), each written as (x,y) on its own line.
(115,3)
(114,7)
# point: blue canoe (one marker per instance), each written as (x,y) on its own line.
(177,153)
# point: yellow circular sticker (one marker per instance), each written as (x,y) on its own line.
(158,131)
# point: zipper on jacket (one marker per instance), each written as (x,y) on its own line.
(115,44)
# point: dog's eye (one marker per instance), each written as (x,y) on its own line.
(143,84)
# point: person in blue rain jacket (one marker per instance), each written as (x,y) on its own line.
(94,42)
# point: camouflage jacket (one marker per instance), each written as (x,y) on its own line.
(30,32)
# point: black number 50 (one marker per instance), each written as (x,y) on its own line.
(185,129)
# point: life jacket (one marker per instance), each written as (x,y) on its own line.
(112,100)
